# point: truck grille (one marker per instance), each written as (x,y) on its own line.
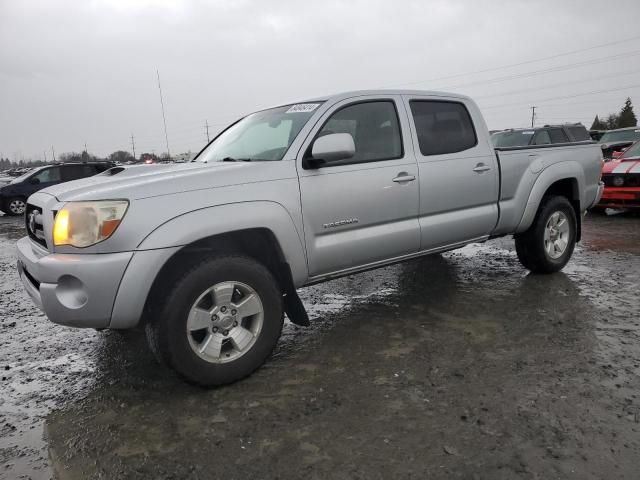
(33,223)
(629,180)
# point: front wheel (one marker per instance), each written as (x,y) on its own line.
(548,244)
(220,322)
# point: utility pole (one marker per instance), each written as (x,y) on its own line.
(164,119)
(45,156)
(54,153)
(533,116)
(206,125)
(85,147)
(133,146)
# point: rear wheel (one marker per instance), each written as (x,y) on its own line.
(15,206)
(548,244)
(220,322)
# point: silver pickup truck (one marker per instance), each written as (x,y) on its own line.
(207,256)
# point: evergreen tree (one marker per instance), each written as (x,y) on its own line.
(627,118)
(597,124)
(611,122)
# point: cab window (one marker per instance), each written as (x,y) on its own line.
(442,127)
(374,127)
(47,175)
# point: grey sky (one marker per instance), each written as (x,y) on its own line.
(85,71)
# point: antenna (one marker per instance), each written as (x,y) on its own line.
(164,119)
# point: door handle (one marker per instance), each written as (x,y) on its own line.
(404,178)
(481,167)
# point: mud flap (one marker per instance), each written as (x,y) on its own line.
(294,308)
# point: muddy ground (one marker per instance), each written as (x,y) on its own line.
(455,366)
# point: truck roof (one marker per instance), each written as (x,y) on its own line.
(357,93)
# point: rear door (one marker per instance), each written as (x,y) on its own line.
(458,171)
(362,210)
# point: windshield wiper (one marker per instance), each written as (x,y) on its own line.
(231,159)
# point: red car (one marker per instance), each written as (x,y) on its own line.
(621,177)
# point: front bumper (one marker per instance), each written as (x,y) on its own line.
(620,197)
(74,290)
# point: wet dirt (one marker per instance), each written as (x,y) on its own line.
(454,366)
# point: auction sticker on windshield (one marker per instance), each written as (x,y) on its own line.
(302,107)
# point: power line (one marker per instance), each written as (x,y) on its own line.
(566,96)
(536,60)
(514,92)
(532,73)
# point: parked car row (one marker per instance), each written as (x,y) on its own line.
(621,177)
(547,135)
(14,194)
(620,151)
(617,140)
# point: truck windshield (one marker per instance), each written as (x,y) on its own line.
(519,138)
(620,136)
(261,136)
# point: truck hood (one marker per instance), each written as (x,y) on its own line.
(144,181)
(622,166)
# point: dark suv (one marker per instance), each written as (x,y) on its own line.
(547,135)
(13,196)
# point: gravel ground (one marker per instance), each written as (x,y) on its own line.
(454,366)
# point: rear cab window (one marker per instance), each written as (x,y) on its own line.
(442,126)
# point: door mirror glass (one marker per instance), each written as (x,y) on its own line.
(333,147)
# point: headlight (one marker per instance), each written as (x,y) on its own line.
(82,224)
(618,181)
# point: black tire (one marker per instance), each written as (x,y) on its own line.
(530,245)
(6,208)
(166,330)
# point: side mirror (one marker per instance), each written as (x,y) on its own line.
(330,148)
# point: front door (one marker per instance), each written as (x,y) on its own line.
(364,209)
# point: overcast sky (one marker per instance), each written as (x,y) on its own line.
(85,71)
